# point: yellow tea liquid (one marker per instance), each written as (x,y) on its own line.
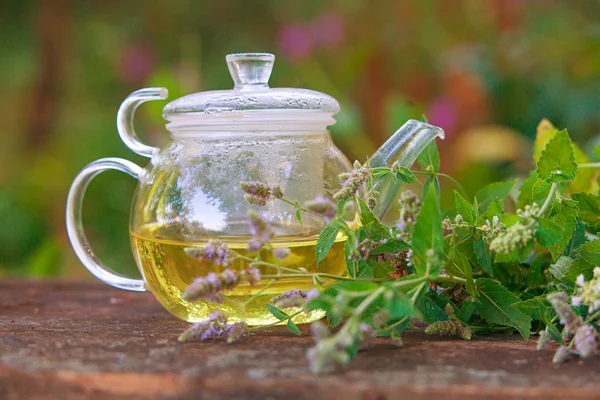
(168,270)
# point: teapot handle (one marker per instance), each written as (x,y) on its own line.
(125,118)
(75,227)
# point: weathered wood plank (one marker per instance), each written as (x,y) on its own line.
(88,341)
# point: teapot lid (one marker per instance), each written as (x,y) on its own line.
(251,101)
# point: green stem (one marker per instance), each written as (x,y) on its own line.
(368,300)
(448,278)
(300,275)
(410,282)
(299,207)
(549,200)
(255,295)
(589,165)
(255,328)
(445,176)
(390,327)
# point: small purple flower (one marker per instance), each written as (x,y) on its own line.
(409,205)
(319,331)
(366,335)
(282,252)
(252,275)
(323,207)
(215,250)
(312,294)
(290,298)
(235,331)
(561,355)
(568,318)
(353,183)
(586,341)
(257,193)
(215,326)
(259,230)
(211,286)
(277,192)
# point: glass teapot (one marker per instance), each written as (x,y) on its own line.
(190,191)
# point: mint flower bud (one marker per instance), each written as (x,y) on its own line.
(251,275)
(353,183)
(366,335)
(586,341)
(282,253)
(409,207)
(211,286)
(561,355)
(364,249)
(450,328)
(543,340)
(588,293)
(312,294)
(215,250)
(277,192)
(371,203)
(260,231)
(515,237)
(567,316)
(257,193)
(289,299)
(215,326)
(323,207)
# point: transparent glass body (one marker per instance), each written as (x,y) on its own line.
(190,191)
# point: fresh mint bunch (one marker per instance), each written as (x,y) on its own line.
(519,255)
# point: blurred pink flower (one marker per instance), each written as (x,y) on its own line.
(136,62)
(441,113)
(327,30)
(294,42)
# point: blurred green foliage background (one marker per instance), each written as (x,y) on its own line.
(485,71)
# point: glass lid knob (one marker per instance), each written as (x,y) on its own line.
(250,70)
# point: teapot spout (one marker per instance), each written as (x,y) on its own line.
(404,146)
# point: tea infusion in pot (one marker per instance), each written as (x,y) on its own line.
(190,193)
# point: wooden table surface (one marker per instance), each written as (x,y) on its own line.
(62,340)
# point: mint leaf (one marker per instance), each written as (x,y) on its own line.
(483,255)
(429,159)
(579,267)
(563,213)
(463,207)
(466,310)
(405,175)
(557,162)
(537,308)
(495,306)
(496,190)
(535,276)
(277,313)
(462,267)
(560,267)
(428,234)
(391,246)
(589,208)
(431,180)
(496,208)
(299,216)
(540,186)
(430,311)
(293,328)
(590,252)
(548,232)
(325,241)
